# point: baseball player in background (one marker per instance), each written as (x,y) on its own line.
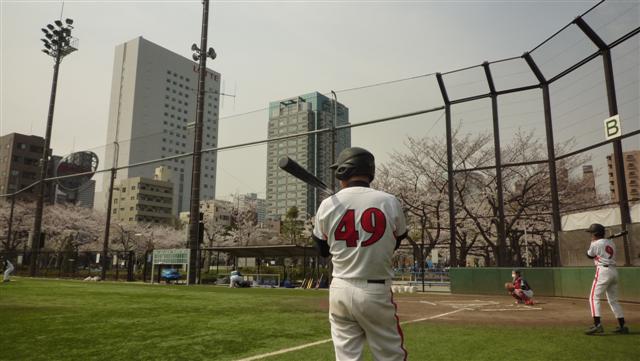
(361,228)
(603,253)
(8,266)
(519,288)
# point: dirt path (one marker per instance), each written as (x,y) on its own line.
(501,310)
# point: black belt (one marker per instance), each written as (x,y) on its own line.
(377,281)
(604,265)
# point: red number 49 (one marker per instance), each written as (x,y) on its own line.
(372,221)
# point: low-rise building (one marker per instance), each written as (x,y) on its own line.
(141,199)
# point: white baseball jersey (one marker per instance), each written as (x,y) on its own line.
(604,252)
(605,281)
(360,225)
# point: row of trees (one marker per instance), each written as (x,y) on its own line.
(68,227)
(71,227)
(418,176)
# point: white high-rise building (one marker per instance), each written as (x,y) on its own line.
(152,110)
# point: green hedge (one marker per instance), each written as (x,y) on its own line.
(562,281)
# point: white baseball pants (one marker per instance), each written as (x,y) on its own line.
(360,311)
(8,271)
(605,281)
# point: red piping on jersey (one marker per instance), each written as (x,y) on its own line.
(593,290)
(395,314)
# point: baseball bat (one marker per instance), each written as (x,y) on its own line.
(619,234)
(292,167)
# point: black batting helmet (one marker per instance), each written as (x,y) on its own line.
(596,229)
(354,161)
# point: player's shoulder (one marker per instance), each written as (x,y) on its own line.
(384,195)
(602,241)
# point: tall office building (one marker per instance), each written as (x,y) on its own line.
(20,156)
(250,201)
(588,184)
(153,107)
(631,161)
(297,115)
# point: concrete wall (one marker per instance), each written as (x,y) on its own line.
(561,282)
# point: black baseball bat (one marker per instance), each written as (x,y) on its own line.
(619,234)
(292,167)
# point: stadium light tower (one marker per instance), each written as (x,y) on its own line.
(57,43)
(200,54)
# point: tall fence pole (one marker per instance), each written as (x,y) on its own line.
(551,157)
(107,227)
(452,205)
(621,191)
(502,239)
(10,225)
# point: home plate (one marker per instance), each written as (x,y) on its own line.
(470,305)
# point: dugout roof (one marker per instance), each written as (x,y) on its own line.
(281,250)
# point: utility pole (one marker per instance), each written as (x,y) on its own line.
(200,54)
(333,139)
(58,44)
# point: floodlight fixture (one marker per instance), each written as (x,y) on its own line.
(58,23)
(45,31)
(46,51)
(49,36)
(54,42)
(195,57)
(69,21)
(194,47)
(47,45)
(50,27)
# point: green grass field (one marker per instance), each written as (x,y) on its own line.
(72,320)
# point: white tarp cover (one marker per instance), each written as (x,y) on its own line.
(607,217)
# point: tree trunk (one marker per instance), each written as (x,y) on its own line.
(416,248)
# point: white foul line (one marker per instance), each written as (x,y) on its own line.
(296,348)
(279,352)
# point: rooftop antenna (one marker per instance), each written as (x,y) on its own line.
(62,9)
(223,94)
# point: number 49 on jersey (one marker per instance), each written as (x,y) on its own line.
(373,221)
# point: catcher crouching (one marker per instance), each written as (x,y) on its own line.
(519,288)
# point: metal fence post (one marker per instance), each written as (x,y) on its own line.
(450,179)
(551,158)
(107,227)
(502,239)
(130,270)
(9,226)
(623,198)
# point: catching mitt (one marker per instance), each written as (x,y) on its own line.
(509,286)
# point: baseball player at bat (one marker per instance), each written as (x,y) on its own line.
(603,253)
(361,228)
